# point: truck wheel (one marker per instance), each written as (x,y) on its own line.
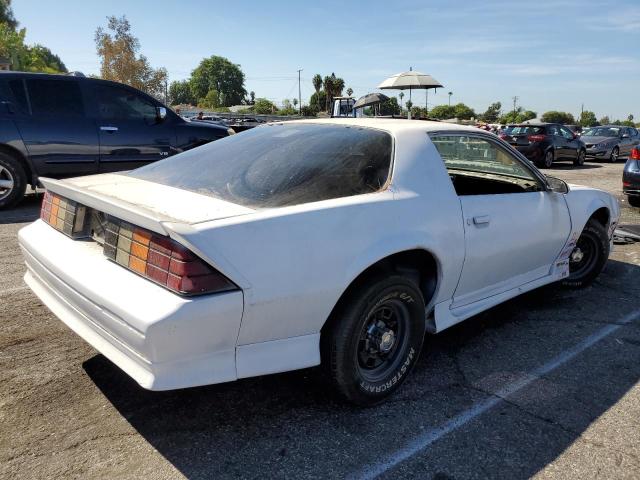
(588,257)
(13,181)
(374,339)
(580,160)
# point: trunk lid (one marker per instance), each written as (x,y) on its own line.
(143,203)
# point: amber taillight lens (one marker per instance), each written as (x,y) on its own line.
(64,215)
(161,260)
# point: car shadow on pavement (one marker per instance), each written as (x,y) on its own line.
(571,166)
(290,425)
(28,210)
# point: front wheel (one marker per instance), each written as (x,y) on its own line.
(373,341)
(588,256)
(615,153)
(580,160)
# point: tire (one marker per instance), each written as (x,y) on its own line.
(367,360)
(13,181)
(581,157)
(615,153)
(547,161)
(588,257)
(633,200)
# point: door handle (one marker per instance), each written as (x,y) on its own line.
(109,129)
(481,220)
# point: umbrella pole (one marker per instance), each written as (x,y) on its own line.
(426,102)
(408,109)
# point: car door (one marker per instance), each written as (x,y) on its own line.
(59,137)
(514,226)
(626,141)
(131,132)
(557,140)
(571,143)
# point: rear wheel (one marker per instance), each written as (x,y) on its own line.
(547,160)
(615,153)
(634,200)
(589,256)
(580,160)
(13,181)
(374,339)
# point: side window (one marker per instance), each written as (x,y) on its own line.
(480,167)
(566,133)
(553,130)
(19,95)
(59,98)
(116,103)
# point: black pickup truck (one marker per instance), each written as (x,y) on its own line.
(64,126)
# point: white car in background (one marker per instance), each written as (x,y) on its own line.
(337,241)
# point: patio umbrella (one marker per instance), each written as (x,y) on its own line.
(409,81)
(370,99)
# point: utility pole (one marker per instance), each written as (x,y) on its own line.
(299,92)
(515,99)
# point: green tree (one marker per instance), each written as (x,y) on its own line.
(587,119)
(317,82)
(318,100)
(264,106)
(519,116)
(219,74)
(328,89)
(295,102)
(442,112)
(492,113)
(309,111)
(401,95)
(210,100)
(6,14)
(554,116)
(252,96)
(604,121)
(463,112)
(390,107)
(180,93)
(119,60)
(41,59)
(349,91)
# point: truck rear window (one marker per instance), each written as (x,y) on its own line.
(281,165)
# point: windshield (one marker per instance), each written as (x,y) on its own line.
(280,165)
(601,132)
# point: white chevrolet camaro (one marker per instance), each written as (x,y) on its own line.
(336,242)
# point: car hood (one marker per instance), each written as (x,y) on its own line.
(122,195)
(597,139)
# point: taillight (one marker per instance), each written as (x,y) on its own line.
(635,153)
(64,215)
(161,260)
(536,138)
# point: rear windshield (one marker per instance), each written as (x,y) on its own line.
(281,165)
(526,130)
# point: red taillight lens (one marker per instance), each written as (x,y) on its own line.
(626,184)
(64,215)
(635,153)
(161,260)
(536,138)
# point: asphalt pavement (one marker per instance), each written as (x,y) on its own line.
(545,385)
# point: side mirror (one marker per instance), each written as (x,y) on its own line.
(161,113)
(557,185)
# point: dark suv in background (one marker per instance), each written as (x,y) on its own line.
(544,143)
(63,126)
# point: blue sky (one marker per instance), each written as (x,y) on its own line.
(551,54)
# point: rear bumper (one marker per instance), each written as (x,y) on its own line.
(163,341)
(532,153)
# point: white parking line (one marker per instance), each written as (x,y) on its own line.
(429,437)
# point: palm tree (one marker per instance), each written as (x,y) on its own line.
(328,88)
(349,91)
(401,97)
(338,85)
(317,85)
(295,102)
(252,94)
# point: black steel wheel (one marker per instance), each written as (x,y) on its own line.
(373,339)
(589,256)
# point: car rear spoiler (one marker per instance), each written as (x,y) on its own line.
(121,209)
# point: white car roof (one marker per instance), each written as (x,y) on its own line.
(392,125)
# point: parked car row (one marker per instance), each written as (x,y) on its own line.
(545,143)
(64,126)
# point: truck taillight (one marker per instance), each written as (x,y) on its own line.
(161,260)
(64,215)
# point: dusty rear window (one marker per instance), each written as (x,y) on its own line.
(281,165)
